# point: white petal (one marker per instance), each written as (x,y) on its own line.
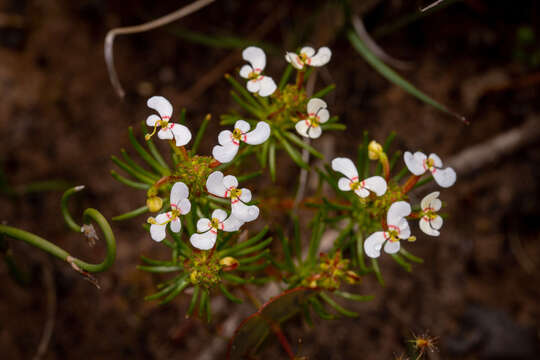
(295,60)
(232,224)
(245,71)
(181,133)
(404,229)
(165,134)
(427,201)
(260,134)
(376,184)
(344,184)
(161,105)
(323,115)
(346,167)
(437,222)
(244,212)
(314,132)
(203,241)
(151,120)
(267,86)
(179,191)
(314,105)
(157,232)
(322,57)
(302,127)
(445,177)
(308,51)
(436,160)
(253,86)
(397,211)
(225,137)
(414,163)
(392,247)
(245,196)
(225,154)
(242,125)
(230,182)
(255,56)
(219,214)
(373,244)
(363,193)
(184,206)
(203,225)
(176,225)
(426,227)
(214,184)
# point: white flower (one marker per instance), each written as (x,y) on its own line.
(227,187)
(180,205)
(316,114)
(362,188)
(418,163)
(229,142)
(430,222)
(307,56)
(208,229)
(168,130)
(398,228)
(263,85)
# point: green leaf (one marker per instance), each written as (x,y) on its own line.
(122,165)
(285,77)
(200,134)
(323,92)
(354,297)
(295,139)
(145,155)
(410,256)
(272,160)
(131,214)
(153,149)
(128,182)
(242,90)
(337,307)
(404,264)
(229,295)
(193,301)
(295,155)
(159,269)
(377,270)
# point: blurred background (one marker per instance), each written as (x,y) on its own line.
(60,121)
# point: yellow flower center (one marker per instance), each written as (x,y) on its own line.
(214,223)
(237,134)
(313,120)
(235,193)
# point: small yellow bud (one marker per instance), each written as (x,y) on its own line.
(151,220)
(154,203)
(374,150)
(411,239)
(228,262)
(352,277)
(193,277)
(147,137)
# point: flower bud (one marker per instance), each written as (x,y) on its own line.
(154,203)
(351,277)
(374,150)
(411,239)
(229,263)
(151,220)
(194,277)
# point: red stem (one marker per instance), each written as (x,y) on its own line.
(283,341)
(410,183)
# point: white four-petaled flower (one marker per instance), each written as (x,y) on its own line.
(307,56)
(316,114)
(180,205)
(258,83)
(398,228)
(229,141)
(227,187)
(418,163)
(362,188)
(208,229)
(168,130)
(430,222)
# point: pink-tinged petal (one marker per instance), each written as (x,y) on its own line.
(427,201)
(176,225)
(437,222)
(414,163)
(225,154)
(163,217)
(242,125)
(307,51)
(314,105)
(404,229)
(302,128)
(397,212)
(295,60)
(260,134)
(225,138)
(344,184)
(230,182)
(179,191)
(426,227)
(165,134)
(267,86)
(253,86)
(245,71)
(346,167)
(219,214)
(323,115)
(157,232)
(314,132)
(152,119)
(363,193)
(243,212)
(232,224)
(161,105)
(376,184)
(214,184)
(203,225)
(445,177)
(392,247)
(322,57)
(255,56)
(436,160)
(204,241)
(373,244)
(245,196)
(181,133)
(184,206)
